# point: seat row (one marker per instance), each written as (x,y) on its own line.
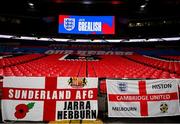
(110,66)
(172,57)
(173,67)
(18,59)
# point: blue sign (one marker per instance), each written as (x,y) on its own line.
(86,24)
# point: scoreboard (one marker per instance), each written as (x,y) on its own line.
(70,24)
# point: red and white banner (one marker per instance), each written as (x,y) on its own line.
(137,98)
(49,98)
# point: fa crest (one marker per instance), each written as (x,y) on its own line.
(123,86)
(69,23)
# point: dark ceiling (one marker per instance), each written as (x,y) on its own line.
(54,7)
(134,18)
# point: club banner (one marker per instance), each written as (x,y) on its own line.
(49,98)
(150,98)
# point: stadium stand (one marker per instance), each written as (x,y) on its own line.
(1,72)
(19,59)
(109,66)
(177,58)
(170,66)
(112,40)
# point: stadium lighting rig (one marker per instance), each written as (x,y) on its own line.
(89,40)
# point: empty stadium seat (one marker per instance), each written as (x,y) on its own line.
(110,66)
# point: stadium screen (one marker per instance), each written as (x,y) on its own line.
(86,24)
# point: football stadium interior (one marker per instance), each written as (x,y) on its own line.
(113,41)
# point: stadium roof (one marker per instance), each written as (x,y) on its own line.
(135,18)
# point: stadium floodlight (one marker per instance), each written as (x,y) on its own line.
(137,40)
(87,2)
(114,40)
(89,40)
(61,39)
(171,39)
(43,39)
(100,40)
(27,38)
(154,40)
(5,36)
(31,4)
(83,40)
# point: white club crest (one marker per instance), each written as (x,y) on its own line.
(69,23)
